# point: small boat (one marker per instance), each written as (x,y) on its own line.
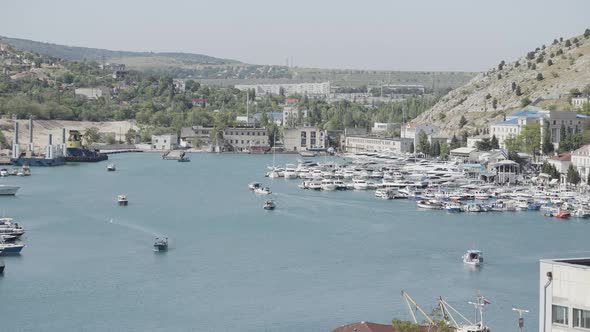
(184,159)
(14,171)
(111,167)
(8,238)
(427,204)
(453,208)
(161,244)
(6,190)
(269,205)
(11,248)
(25,170)
(122,200)
(4,172)
(254,185)
(473,257)
(262,190)
(563,214)
(329,185)
(315,185)
(308,154)
(385,193)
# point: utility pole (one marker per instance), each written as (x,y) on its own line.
(520,319)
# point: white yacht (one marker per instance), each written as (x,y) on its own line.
(315,185)
(6,190)
(360,184)
(473,257)
(262,190)
(329,185)
(290,172)
(4,172)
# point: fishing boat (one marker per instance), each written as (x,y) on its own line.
(6,190)
(262,190)
(473,257)
(269,205)
(111,168)
(122,200)
(161,244)
(563,214)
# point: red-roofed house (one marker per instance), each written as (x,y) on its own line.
(561,162)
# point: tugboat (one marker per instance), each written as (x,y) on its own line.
(122,200)
(76,152)
(269,205)
(161,244)
(111,168)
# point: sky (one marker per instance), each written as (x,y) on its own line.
(413,35)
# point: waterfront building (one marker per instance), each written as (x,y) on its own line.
(164,142)
(303,89)
(551,120)
(579,101)
(581,161)
(237,138)
(354,144)
(564,295)
(304,138)
(412,131)
(561,162)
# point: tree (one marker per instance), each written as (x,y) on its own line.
(525,102)
(513,86)
(530,138)
(444,151)
(517,91)
(110,139)
(462,121)
(435,149)
(455,142)
(568,43)
(91,135)
(484,145)
(423,144)
(495,103)
(540,77)
(547,145)
(130,136)
(412,147)
(587,33)
(549,62)
(494,143)
(572,176)
(501,65)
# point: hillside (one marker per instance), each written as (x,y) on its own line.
(544,76)
(75,53)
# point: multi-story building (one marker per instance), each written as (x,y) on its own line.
(238,138)
(356,144)
(412,131)
(164,142)
(554,121)
(291,116)
(564,295)
(579,101)
(305,138)
(304,89)
(581,161)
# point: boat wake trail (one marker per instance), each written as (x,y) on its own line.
(136,228)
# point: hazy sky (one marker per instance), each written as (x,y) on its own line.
(470,35)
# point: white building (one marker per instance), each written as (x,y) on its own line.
(304,138)
(289,89)
(579,101)
(554,120)
(164,142)
(411,131)
(354,144)
(564,295)
(90,93)
(291,115)
(581,161)
(561,162)
(472,141)
(380,127)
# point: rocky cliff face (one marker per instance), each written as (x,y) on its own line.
(544,76)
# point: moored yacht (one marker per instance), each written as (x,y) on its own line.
(290,172)
(360,184)
(6,190)
(329,185)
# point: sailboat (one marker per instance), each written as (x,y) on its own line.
(273,174)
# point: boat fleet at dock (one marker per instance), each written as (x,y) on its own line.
(432,185)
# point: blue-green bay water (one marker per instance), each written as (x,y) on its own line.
(320,260)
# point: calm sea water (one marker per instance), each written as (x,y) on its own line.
(322,259)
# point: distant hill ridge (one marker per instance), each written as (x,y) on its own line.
(76,53)
(544,76)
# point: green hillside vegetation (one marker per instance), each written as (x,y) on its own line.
(47,92)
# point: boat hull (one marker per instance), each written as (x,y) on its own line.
(8,190)
(39,162)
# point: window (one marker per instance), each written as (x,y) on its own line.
(582,318)
(560,315)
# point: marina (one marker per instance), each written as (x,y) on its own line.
(331,256)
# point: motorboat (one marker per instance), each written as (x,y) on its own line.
(122,200)
(563,214)
(385,193)
(429,204)
(4,172)
(6,190)
(453,208)
(329,185)
(8,238)
(473,257)
(269,205)
(254,185)
(11,248)
(184,159)
(360,184)
(273,174)
(161,244)
(111,168)
(25,170)
(262,190)
(14,171)
(290,172)
(315,185)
